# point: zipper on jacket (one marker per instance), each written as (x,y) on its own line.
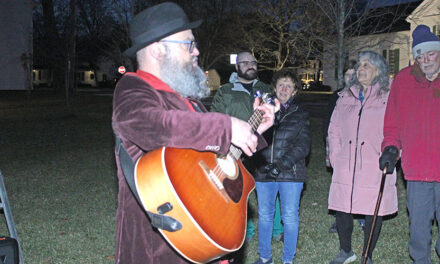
(349,156)
(273,136)
(355,156)
(273,141)
(294,169)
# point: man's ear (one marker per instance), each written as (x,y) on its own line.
(236,67)
(156,50)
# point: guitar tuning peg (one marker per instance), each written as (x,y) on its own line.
(267,98)
(257,94)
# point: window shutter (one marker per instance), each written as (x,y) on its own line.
(396,61)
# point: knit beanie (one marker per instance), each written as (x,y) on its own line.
(424,40)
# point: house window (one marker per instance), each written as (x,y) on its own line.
(436,30)
(392,57)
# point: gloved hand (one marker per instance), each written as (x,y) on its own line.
(272,171)
(389,158)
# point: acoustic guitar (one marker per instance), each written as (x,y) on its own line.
(208,194)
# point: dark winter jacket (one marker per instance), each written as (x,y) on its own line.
(289,144)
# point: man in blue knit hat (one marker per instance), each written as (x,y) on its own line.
(412,132)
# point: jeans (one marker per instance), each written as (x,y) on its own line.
(278,228)
(423,202)
(290,194)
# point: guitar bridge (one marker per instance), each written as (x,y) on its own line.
(214,179)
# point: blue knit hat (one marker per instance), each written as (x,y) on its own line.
(424,40)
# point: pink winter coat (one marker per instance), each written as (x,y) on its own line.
(355,135)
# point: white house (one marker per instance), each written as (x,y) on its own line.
(394,46)
(42,77)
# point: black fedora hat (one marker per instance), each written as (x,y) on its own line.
(155,23)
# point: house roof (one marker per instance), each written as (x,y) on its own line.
(423,8)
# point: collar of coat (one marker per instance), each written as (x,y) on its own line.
(354,91)
(289,107)
(237,84)
(158,84)
(420,77)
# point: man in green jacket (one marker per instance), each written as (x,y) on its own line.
(236,99)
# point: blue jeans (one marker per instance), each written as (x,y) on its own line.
(278,228)
(290,194)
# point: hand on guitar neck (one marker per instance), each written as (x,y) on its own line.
(243,136)
(269,111)
(242,132)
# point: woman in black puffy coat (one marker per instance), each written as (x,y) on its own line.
(282,169)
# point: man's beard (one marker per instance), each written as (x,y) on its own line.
(429,69)
(250,74)
(187,80)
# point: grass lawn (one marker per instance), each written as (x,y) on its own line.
(61,181)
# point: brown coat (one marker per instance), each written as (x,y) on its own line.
(146,118)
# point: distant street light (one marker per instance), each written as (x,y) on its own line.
(233,58)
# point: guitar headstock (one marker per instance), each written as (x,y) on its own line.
(266,98)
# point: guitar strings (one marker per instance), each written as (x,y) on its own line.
(254,121)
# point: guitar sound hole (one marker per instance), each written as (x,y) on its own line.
(228,166)
(234,188)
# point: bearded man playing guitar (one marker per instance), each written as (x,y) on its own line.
(155,107)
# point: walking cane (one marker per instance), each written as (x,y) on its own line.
(373,224)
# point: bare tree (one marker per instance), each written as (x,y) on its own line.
(71,55)
(344,20)
(218,32)
(215,36)
(277,32)
(119,40)
(96,23)
(52,43)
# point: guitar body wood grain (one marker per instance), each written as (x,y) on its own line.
(214,220)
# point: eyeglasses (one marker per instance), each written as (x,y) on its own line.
(191,43)
(248,63)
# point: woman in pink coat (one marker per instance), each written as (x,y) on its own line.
(355,135)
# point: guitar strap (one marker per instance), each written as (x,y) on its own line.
(195,105)
(157,220)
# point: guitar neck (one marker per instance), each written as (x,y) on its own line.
(254,121)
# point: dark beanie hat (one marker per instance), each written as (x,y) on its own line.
(424,40)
